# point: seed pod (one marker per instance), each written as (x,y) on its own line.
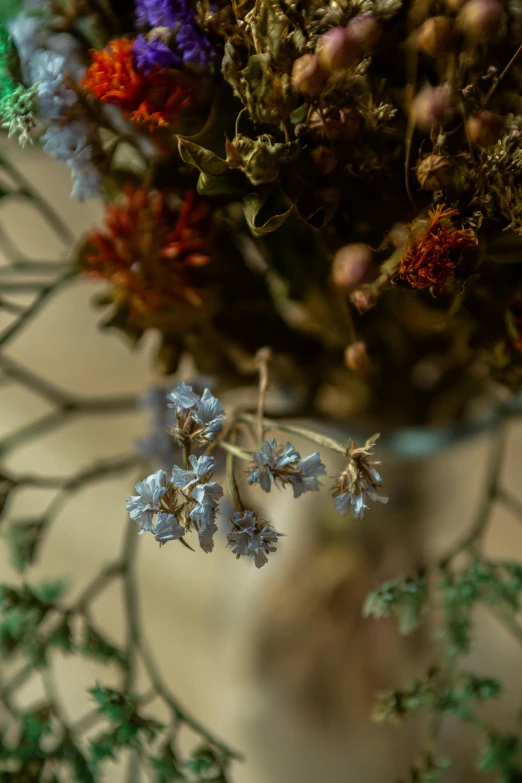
(435,36)
(365,30)
(307,75)
(356,357)
(324,159)
(485,128)
(435,172)
(431,106)
(337,51)
(480,18)
(351,265)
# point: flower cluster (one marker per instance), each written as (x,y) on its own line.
(154,98)
(150,253)
(434,251)
(251,537)
(359,481)
(198,417)
(189,498)
(283,465)
(175,37)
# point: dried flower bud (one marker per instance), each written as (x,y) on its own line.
(307,75)
(485,128)
(356,357)
(365,30)
(342,125)
(435,35)
(337,51)
(431,106)
(480,18)
(324,159)
(363,299)
(435,172)
(351,265)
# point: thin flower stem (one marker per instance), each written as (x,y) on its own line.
(315,437)
(232,484)
(472,538)
(235,450)
(262,359)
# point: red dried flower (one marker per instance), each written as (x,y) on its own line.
(154,99)
(149,253)
(434,250)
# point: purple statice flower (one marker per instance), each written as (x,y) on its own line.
(160,13)
(193,45)
(149,55)
(190,44)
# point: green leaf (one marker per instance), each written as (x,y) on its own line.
(253,203)
(206,161)
(406,600)
(210,185)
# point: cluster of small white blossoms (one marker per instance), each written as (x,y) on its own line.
(172,506)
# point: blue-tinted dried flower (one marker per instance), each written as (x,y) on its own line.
(283,465)
(168,528)
(206,497)
(149,55)
(182,398)
(196,485)
(199,418)
(48,73)
(142,507)
(209,413)
(202,468)
(70,144)
(359,482)
(251,538)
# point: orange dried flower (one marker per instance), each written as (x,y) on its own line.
(434,250)
(154,99)
(149,253)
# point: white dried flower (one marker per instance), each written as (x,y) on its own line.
(142,507)
(168,528)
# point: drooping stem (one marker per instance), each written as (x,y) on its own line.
(472,538)
(311,435)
